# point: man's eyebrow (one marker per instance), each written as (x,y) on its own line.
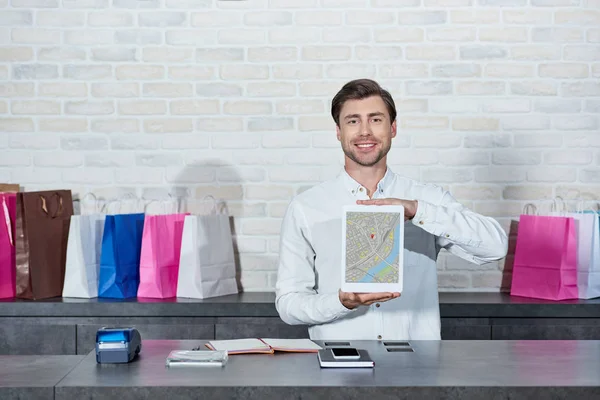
(373,114)
(352,116)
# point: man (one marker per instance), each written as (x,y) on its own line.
(308,282)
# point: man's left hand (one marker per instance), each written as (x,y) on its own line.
(410,206)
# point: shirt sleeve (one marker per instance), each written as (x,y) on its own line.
(297,301)
(462,232)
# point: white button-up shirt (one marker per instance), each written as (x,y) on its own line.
(310,259)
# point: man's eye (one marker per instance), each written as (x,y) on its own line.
(376,119)
(352,121)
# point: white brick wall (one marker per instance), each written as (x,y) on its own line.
(499,100)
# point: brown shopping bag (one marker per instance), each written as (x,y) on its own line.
(9,188)
(42,229)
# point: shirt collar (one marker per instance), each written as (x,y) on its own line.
(353,187)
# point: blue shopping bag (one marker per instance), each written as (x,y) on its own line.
(120,258)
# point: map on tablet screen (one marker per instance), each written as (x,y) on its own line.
(372,251)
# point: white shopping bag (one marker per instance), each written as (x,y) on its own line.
(83,254)
(588,265)
(206,264)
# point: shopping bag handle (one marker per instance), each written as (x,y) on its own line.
(44,205)
(7,221)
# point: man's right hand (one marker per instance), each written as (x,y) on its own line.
(353,300)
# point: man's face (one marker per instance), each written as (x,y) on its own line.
(365,130)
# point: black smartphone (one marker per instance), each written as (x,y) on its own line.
(345,353)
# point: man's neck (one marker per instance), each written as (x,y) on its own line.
(368,177)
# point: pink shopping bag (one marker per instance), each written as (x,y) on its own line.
(159,258)
(8,210)
(545,265)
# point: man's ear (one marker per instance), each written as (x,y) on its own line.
(393,129)
(338,133)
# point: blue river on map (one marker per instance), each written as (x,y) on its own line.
(390,259)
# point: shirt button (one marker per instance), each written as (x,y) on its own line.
(447,235)
(354,191)
(361,189)
(421,222)
(377,305)
(379,337)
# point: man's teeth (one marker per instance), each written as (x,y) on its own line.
(365,145)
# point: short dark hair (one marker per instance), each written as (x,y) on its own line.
(359,89)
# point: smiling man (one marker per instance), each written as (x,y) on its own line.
(308,282)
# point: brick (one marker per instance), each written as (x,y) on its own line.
(504,157)
(266,157)
(186,4)
(582,53)
(321,18)
(297,72)
(389,3)
(448,3)
(464,158)
(424,123)
(576,122)
(16,18)
(236,141)
(316,123)
(482,52)
(503,34)
(89,37)
(378,53)
(15,159)
(243,107)
(4,107)
(26,176)
(29,141)
(244,174)
(108,18)
(487,141)
(503,3)
(530,123)
(451,106)
(270,124)
(253,280)
(57,159)
(61,54)
(86,142)
(314,157)
(218,89)
(592,106)
(456,70)
(167,54)
(446,175)
(294,35)
(168,125)
(15,89)
(33,107)
(270,192)
(325,140)
(580,89)
(219,55)
(596,70)
(140,37)
(35,36)
(191,37)
(453,280)
(162,19)
(527,17)
(262,262)
(551,174)
(12,54)
(293,3)
(294,174)
(589,175)
(578,192)
(171,90)
(34,71)
(290,107)
(506,106)
(63,89)
(134,142)
(428,88)
(455,263)
(349,71)
(271,89)
(319,88)
(571,157)
(225,192)
(89,107)
(115,90)
(109,160)
(556,35)
(436,53)
(88,3)
(577,17)
(62,125)
(535,52)
(114,54)
(183,141)
(326,53)
(142,107)
(192,73)
(454,34)
(244,72)
(500,174)
(241,36)
(593,35)
(140,72)
(403,70)
(363,17)
(480,88)
(564,70)
(411,105)
(194,107)
(399,35)
(115,125)
(272,54)
(87,72)
(268,18)
(475,16)
(421,17)
(528,192)
(251,245)
(414,157)
(208,19)
(231,124)
(534,88)
(475,124)
(139,175)
(157,160)
(3,72)
(509,70)
(476,192)
(538,140)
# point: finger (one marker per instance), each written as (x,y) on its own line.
(376,202)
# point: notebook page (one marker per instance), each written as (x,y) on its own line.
(292,344)
(239,345)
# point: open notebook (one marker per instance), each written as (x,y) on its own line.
(267,346)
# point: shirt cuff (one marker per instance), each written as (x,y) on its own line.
(425,214)
(336,307)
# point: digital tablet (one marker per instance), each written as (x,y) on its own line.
(372,249)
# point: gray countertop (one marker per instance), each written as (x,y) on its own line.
(33,377)
(438,369)
(261,304)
